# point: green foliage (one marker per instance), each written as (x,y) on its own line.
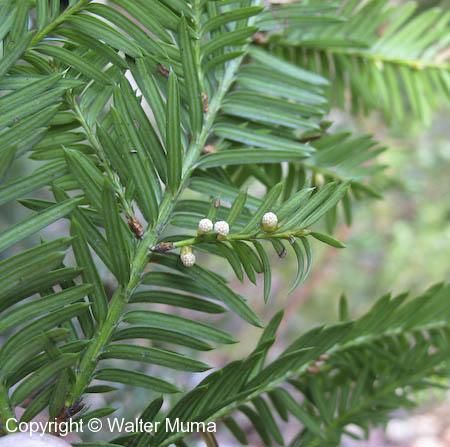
(355,372)
(391,57)
(144,118)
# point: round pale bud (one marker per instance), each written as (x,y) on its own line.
(187,257)
(269,222)
(222,228)
(205,226)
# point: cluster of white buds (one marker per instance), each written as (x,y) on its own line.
(187,257)
(205,226)
(222,228)
(269,222)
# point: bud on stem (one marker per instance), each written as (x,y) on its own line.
(187,257)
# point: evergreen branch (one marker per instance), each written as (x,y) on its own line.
(93,140)
(120,149)
(400,55)
(378,59)
(59,20)
(121,297)
(287,235)
(337,342)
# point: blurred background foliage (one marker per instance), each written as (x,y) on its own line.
(401,242)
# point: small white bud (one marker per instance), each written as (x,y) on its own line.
(187,257)
(269,222)
(205,226)
(222,228)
